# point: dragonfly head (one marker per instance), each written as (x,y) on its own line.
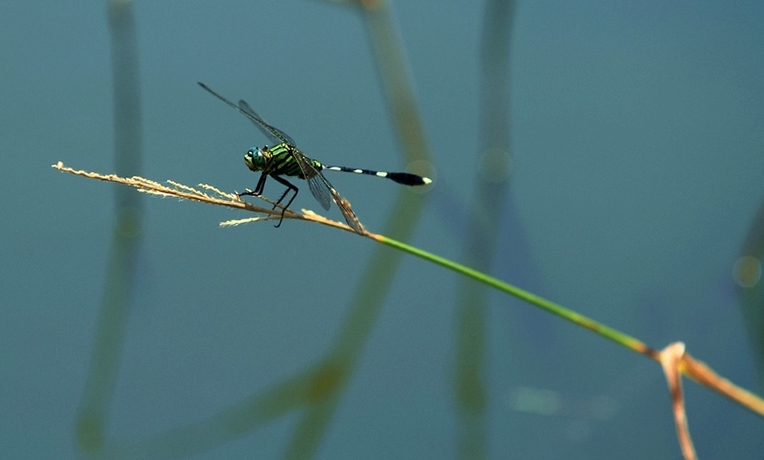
(256,158)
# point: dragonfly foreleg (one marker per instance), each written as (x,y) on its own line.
(259,188)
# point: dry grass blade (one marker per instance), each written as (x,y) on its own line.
(214,197)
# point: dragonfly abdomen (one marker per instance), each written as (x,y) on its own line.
(399,177)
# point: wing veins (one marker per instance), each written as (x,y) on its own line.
(248,112)
(319,187)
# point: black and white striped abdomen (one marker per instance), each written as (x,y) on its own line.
(399,177)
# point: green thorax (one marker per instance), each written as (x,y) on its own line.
(278,160)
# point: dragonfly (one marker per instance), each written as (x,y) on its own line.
(285,159)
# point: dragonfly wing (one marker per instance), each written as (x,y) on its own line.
(320,191)
(347,213)
(270,131)
(320,188)
(325,193)
(258,121)
(248,112)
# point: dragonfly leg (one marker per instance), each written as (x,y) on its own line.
(289,187)
(258,188)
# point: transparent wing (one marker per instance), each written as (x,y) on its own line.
(247,111)
(324,192)
(348,213)
(269,131)
(320,188)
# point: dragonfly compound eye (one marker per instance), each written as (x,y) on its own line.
(256,158)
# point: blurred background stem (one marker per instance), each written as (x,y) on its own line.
(126,236)
(483,225)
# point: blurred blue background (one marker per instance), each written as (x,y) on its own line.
(638,143)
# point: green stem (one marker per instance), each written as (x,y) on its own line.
(578,319)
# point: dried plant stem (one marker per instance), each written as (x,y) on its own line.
(216,197)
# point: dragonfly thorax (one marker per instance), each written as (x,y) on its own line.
(257,158)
